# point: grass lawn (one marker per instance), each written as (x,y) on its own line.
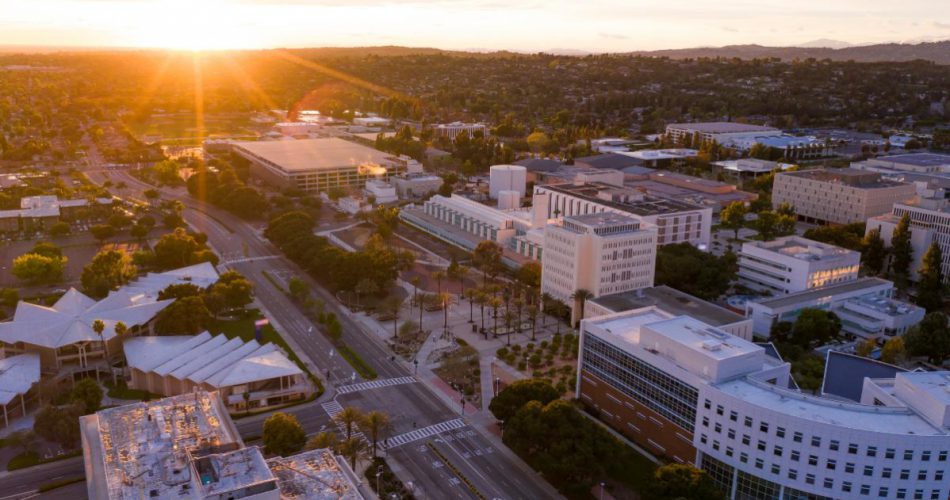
(123,392)
(31,458)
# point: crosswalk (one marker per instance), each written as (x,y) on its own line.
(408,437)
(333,409)
(374,384)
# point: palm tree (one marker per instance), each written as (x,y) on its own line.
(322,440)
(376,423)
(445,299)
(120,329)
(495,303)
(461,272)
(348,418)
(353,449)
(546,301)
(533,316)
(392,305)
(99,327)
(508,318)
(415,289)
(470,295)
(580,297)
(422,299)
(438,275)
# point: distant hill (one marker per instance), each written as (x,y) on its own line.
(938,52)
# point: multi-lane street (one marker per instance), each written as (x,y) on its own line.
(460,463)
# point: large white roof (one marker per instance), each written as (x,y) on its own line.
(213,360)
(70,319)
(17,375)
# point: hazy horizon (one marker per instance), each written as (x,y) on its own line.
(487,25)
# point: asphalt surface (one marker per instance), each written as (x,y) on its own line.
(466,462)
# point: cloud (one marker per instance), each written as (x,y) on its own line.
(942,26)
(613,36)
(729,29)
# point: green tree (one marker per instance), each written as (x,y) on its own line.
(732,217)
(529,274)
(865,348)
(46,249)
(59,229)
(179,249)
(283,435)
(235,289)
(902,252)
(59,424)
(188,315)
(930,280)
(9,297)
(893,351)
(109,269)
(354,449)
(581,296)
(930,338)
(298,288)
(102,232)
(767,224)
(375,422)
(539,142)
(512,398)
(815,327)
(87,394)
(874,253)
(323,440)
(33,268)
(691,270)
(349,418)
(682,481)
(487,258)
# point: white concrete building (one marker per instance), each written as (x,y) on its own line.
(416,185)
(929,223)
(838,196)
(792,147)
(382,191)
(315,475)
(692,393)
(676,221)
(506,178)
(452,130)
(172,365)
(603,253)
(865,306)
(721,132)
(792,264)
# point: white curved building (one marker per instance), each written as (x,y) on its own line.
(507,178)
(694,393)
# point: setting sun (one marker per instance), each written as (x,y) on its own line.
(190,25)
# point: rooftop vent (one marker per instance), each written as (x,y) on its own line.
(712,345)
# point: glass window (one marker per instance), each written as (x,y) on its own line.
(833,445)
(719,410)
(780,432)
(812,460)
(905,474)
(759,463)
(901,493)
(797,437)
(815,441)
(886,472)
(777,451)
(831,464)
(776,469)
(889,453)
(705,421)
(748,421)
(795,455)
(925,455)
(865,489)
(868,470)
(707,404)
(938,475)
(882,492)
(718,427)
(908,454)
(746,439)
(852,449)
(744,457)
(846,486)
(733,416)
(761,445)
(829,483)
(921,475)
(729,451)
(731,433)
(792,474)
(703,438)
(810,478)
(849,467)
(764,427)
(942,456)
(872,451)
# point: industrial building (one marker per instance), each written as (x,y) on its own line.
(720,132)
(187,448)
(838,196)
(792,264)
(507,178)
(690,392)
(320,164)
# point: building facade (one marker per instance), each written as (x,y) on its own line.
(603,253)
(929,223)
(720,132)
(693,393)
(838,196)
(452,130)
(792,264)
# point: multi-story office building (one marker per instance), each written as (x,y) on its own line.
(721,132)
(676,221)
(792,147)
(602,253)
(866,306)
(693,393)
(320,164)
(452,130)
(919,163)
(792,264)
(838,196)
(929,223)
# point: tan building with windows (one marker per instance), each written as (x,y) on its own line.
(838,196)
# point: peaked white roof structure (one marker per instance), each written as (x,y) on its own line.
(207,359)
(201,275)
(70,319)
(17,375)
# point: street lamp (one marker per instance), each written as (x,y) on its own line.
(601,490)
(415,363)
(379,472)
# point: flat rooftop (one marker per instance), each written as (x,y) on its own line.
(315,154)
(884,305)
(804,249)
(152,448)
(649,205)
(626,327)
(661,154)
(602,219)
(722,127)
(672,301)
(314,475)
(886,420)
(705,340)
(935,384)
(862,179)
(814,294)
(917,159)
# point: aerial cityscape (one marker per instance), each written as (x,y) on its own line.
(441,249)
